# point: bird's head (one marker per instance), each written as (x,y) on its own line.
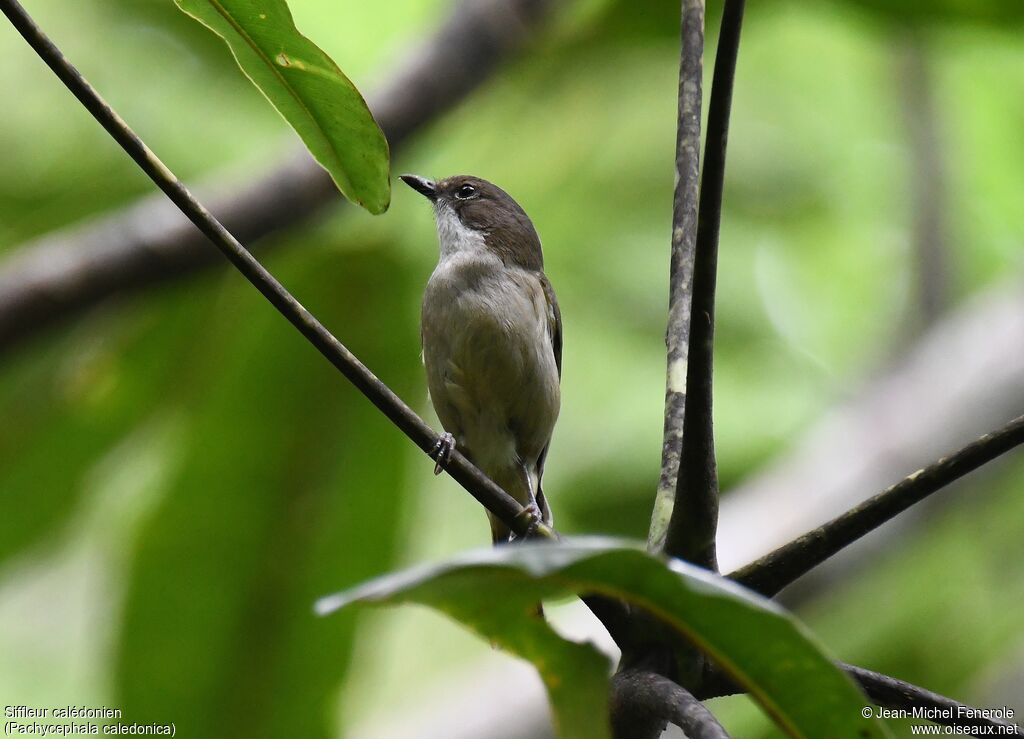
(474,213)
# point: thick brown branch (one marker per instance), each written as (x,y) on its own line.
(55,278)
(774,571)
(684,236)
(642,703)
(691,532)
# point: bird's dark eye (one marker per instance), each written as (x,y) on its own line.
(465,191)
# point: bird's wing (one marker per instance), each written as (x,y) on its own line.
(555,332)
(554,321)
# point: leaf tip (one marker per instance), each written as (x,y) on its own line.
(375,203)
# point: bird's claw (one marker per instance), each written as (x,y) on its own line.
(442,451)
(531,511)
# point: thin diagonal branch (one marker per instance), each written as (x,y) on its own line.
(891,692)
(888,692)
(684,237)
(769,574)
(643,702)
(968,366)
(479,485)
(691,533)
(55,278)
(612,613)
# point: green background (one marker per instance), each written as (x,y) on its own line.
(181,475)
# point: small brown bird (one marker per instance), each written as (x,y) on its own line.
(492,337)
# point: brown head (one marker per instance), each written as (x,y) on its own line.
(468,206)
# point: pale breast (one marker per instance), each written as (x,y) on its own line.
(488,354)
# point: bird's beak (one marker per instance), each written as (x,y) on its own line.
(422,185)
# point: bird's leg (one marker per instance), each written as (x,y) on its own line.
(531,509)
(442,451)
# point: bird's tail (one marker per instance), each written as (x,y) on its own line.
(515,484)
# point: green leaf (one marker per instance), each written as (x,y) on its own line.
(499,605)
(763,648)
(308,90)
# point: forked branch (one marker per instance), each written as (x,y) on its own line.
(769,574)
(643,702)
(692,527)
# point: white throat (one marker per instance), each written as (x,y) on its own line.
(457,239)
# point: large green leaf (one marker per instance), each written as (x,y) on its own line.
(763,648)
(308,89)
(497,604)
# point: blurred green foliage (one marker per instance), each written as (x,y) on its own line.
(181,475)
(273,503)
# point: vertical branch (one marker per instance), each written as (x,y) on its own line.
(691,531)
(684,235)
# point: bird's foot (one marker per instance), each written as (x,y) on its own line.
(530,512)
(442,451)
